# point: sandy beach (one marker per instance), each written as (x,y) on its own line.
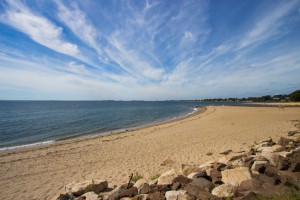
(39,173)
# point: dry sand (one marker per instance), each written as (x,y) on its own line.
(40,173)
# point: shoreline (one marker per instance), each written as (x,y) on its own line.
(147,151)
(49,143)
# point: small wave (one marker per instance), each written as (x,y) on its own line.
(27,145)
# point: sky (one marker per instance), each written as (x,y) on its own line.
(148,50)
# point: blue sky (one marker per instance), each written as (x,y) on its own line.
(148,50)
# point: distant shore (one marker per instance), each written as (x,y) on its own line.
(148,151)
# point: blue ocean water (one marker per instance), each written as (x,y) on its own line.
(36,122)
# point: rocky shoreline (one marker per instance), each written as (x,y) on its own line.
(265,170)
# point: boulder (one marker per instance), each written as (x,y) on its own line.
(167,177)
(176,186)
(66,196)
(205,166)
(198,192)
(138,197)
(223,191)
(284,141)
(178,195)
(197,175)
(95,186)
(156,196)
(259,166)
(216,176)
(281,162)
(277,147)
(115,194)
(202,183)
(236,176)
(182,180)
(188,169)
(90,196)
(130,192)
(139,183)
(250,184)
(247,195)
(144,189)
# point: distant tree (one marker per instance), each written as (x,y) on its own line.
(295,96)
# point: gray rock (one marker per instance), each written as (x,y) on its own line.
(236,176)
(94,185)
(202,183)
(167,177)
(223,191)
(178,195)
(259,166)
(90,196)
(197,175)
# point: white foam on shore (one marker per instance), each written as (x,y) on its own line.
(27,145)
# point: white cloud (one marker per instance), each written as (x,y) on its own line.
(38,28)
(77,21)
(77,68)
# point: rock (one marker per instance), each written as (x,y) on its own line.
(182,180)
(188,169)
(248,195)
(259,166)
(159,188)
(250,184)
(292,133)
(284,141)
(277,147)
(95,186)
(236,176)
(267,179)
(202,183)
(139,183)
(280,162)
(295,167)
(144,189)
(130,192)
(226,152)
(178,195)
(152,182)
(156,196)
(204,167)
(216,176)
(167,177)
(198,192)
(138,197)
(90,196)
(197,175)
(223,191)
(66,196)
(176,186)
(224,160)
(115,194)
(260,158)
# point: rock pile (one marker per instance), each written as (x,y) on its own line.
(266,169)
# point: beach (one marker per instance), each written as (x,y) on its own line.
(38,173)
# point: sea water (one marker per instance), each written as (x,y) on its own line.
(30,123)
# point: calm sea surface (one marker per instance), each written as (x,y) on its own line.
(38,122)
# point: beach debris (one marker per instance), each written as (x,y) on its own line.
(267,169)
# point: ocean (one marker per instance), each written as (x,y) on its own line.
(29,123)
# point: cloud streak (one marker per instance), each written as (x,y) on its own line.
(152,50)
(37,28)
